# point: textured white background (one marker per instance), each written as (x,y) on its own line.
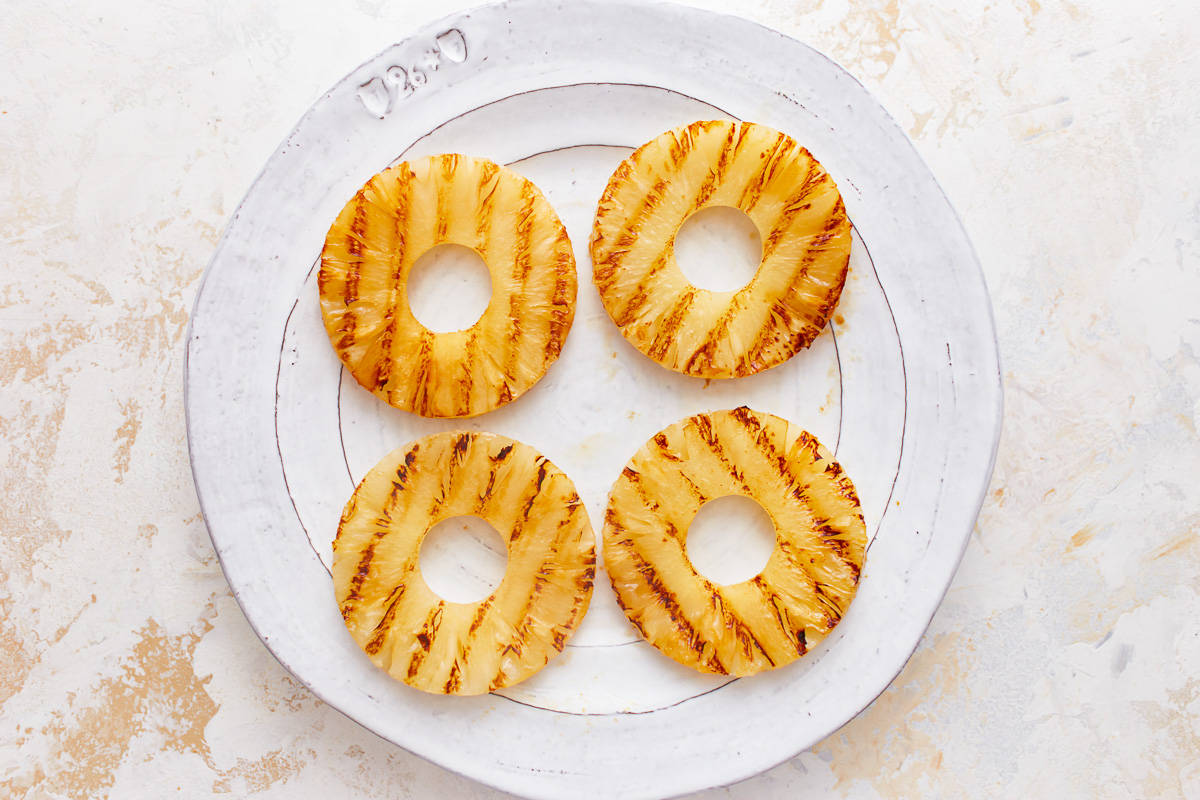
(1065,661)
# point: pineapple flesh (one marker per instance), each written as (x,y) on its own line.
(809,580)
(801,220)
(463,648)
(400,214)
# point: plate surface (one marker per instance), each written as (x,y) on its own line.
(904,385)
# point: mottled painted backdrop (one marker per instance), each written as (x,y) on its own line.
(1065,660)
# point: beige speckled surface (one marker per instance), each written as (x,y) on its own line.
(1064,660)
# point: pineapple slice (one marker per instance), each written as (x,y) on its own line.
(810,578)
(805,248)
(400,214)
(463,648)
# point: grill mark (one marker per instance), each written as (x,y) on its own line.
(670,604)
(743,134)
(360,576)
(325,275)
(640,294)
(769,334)
(668,327)
(425,639)
(559,306)
(846,490)
(751,193)
(468,641)
(809,442)
(516,644)
(839,548)
(758,433)
(461,445)
(836,218)
(486,494)
(522,263)
(682,143)
(754,189)
(797,562)
(625,239)
(480,613)
(527,509)
(347,514)
(603,272)
(455,679)
(486,194)
(634,479)
(458,455)
(716,334)
(420,382)
(470,350)
(358,230)
(790,212)
(703,425)
(815,176)
(716,175)
(383,370)
(664,444)
(447,163)
(664,447)
(781,616)
(523,255)
(380,631)
(696,490)
(835,612)
(651,200)
(364,562)
(584,582)
(627,611)
(778,156)
(363,568)
(742,633)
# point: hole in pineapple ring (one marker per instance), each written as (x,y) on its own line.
(718,248)
(463,559)
(449,288)
(730,539)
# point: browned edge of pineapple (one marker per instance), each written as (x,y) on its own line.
(463,648)
(809,580)
(801,220)
(400,214)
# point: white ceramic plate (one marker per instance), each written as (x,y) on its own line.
(904,385)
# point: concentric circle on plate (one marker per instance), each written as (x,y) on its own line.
(801,220)
(399,215)
(809,580)
(463,648)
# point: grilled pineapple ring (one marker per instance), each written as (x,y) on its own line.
(805,248)
(400,214)
(810,578)
(463,648)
